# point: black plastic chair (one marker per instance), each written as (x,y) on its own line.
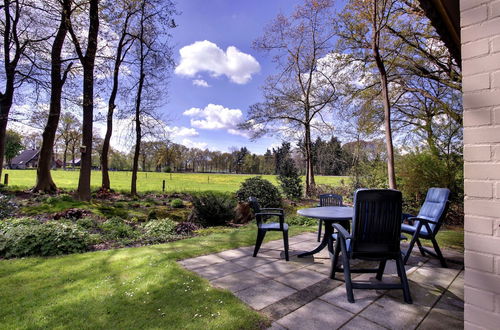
(427,223)
(376,232)
(328,200)
(261,215)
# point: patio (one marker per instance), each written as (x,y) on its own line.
(299,294)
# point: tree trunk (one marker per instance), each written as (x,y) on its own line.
(44,180)
(385,98)
(310,182)
(88,63)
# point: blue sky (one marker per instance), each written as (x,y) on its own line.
(206,28)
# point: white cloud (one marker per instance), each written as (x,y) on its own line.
(215,116)
(206,56)
(192,144)
(201,83)
(181,131)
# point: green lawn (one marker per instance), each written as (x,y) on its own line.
(131,288)
(151,181)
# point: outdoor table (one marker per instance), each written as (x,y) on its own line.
(329,215)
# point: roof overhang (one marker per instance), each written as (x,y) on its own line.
(445,17)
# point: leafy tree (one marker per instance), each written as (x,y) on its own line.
(13,145)
(289,179)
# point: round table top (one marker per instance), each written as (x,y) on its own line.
(328,212)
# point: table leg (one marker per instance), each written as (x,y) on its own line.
(326,241)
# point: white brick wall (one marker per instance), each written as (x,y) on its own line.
(480,21)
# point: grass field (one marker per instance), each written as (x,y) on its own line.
(151,181)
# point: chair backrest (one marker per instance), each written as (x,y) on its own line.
(376,222)
(435,207)
(330,200)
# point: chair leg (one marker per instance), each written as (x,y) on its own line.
(335,260)
(381,268)
(347,272)
(410,247)
(319,229)
(285,241)
(438,252)
(404,280)
(420,247)
(260,237)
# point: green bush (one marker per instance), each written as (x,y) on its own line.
(176,203)
(116,228)
(289,179)
(267,194)
(27,237)
(418,172)
(86,223)
(213,209)
(158,231)
(297,220)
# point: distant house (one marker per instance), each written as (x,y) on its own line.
(29,159)
(26,159)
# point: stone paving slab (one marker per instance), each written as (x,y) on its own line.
(239,281)
(300,295)
(301,279)
(264,294)
(218,270)
(359,322)
(394,313)
(278,268)
(316,315)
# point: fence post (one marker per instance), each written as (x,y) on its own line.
(163,187)
(6,179)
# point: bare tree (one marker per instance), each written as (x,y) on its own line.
(44,180)
(303,89)
(123,17)
(381,11)
(153,59)
(19,36)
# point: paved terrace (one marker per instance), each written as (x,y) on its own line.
(299,294)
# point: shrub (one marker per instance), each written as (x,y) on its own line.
(297,220)
(267,194)
(176,203)
(152,215)
(289,179)
(116,228)
(26,237)
(185,228)
(213,209)
(158,231)
(7,207)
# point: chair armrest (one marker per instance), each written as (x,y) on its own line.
(342,231)
(269,214)
(272,209)
(422,220)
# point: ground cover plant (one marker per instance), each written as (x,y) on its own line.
(152,181)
